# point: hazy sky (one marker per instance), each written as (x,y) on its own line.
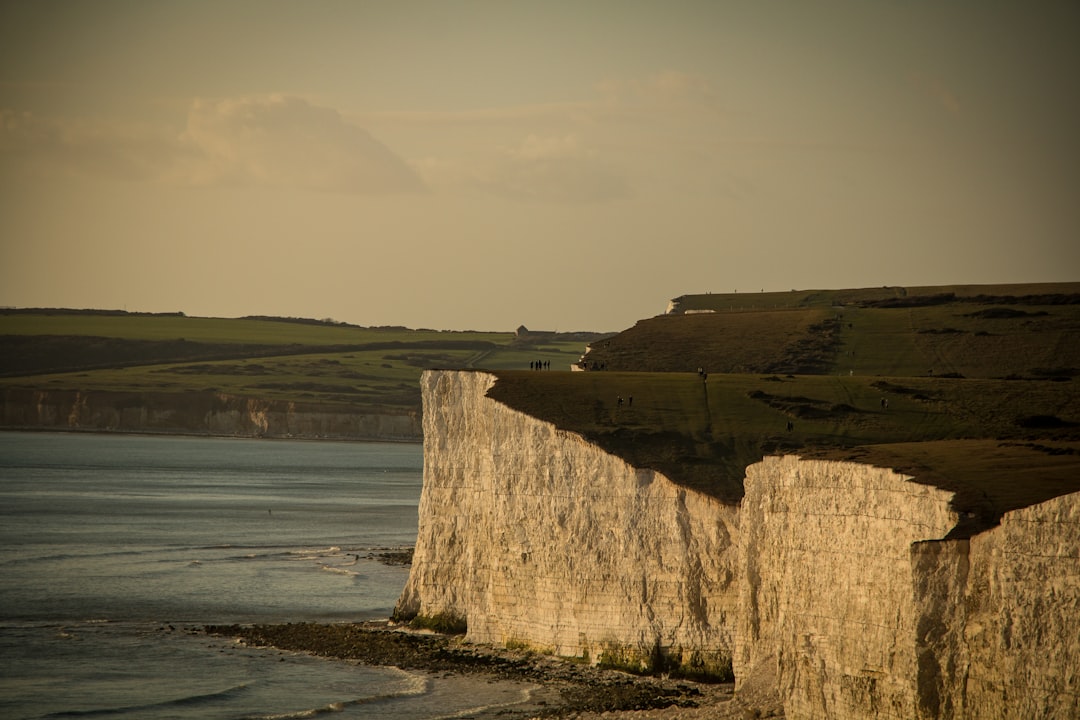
(566,165)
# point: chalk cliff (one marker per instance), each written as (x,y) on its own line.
(207,413)
(533,536)
(851,600)
(831,583)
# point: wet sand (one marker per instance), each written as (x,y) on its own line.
(572,689)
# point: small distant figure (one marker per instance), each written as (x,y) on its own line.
(531,364)
(619,401)
(790,426)
(630,401)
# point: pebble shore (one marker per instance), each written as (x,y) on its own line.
(576,690)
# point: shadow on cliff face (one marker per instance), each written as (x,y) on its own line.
(702,432)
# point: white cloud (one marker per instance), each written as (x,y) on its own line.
(286,141)
(125,152)
(608,146)
(274,141)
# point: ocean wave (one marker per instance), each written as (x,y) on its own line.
(62,557)
(188,701)
(489,710)
(416,686)
(339,570)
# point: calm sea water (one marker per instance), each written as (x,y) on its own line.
(113,548)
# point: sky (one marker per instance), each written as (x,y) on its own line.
(563,165)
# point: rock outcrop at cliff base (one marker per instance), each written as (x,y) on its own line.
(830,583)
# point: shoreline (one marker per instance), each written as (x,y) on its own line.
(171,433)
(575,689)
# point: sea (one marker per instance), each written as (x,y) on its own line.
(116,549)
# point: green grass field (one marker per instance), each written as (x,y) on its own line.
(980,381)
(220,330)
(373,368)
(988,373)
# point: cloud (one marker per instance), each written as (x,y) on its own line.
(125,152)
(275,141)
(553,169)
(607,146)
(286,141)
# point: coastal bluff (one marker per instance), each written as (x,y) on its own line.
(835,585)
(198,413)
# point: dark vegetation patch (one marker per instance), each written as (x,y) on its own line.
(86,311)
(326,322)
(981,299)
(39,354)
(307,387)
(1047,449)
(886,386)
(217,369)
(1004,313)
(1044,422)
(910,301)
(811,353)
(796,341)
(425,360)
(1057,373)
(804,408)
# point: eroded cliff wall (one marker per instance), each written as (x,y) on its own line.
(830,586)
(825,597)
(198,413)
(534,536)
(853,607)
(999,633)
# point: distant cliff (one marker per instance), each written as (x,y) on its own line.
(202,413)
(829,584)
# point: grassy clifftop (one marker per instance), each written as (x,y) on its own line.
(929,383)
(374,369)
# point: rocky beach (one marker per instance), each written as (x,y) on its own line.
(569,689)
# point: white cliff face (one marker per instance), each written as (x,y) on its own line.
(1000,633)
(536,537)
(826,596)
(854,608)
(830,585)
